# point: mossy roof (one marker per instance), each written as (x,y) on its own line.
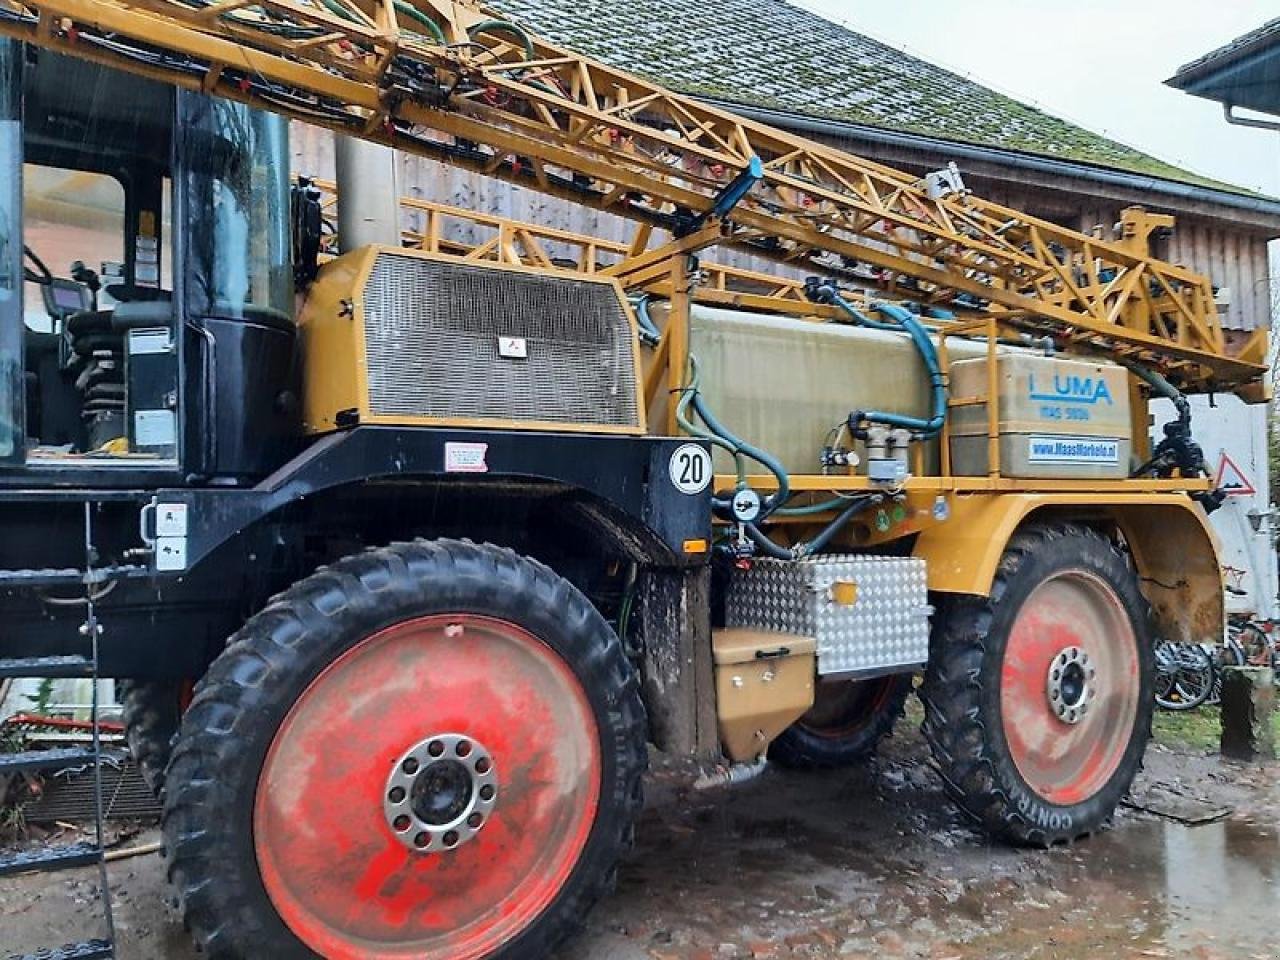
(770,54)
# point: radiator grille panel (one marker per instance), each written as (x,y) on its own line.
(431,338)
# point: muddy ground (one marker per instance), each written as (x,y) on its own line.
(866,863)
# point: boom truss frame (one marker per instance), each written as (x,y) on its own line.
(449,79)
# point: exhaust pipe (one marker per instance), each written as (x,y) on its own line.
(368,195)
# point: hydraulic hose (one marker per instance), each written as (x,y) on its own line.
(507,27)
(409,10)
(824,537)
(691,428)
(720,435)
(1161,388)
(763,457)
(808,510)
(649,332)
(901,320)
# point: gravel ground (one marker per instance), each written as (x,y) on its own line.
(871,862)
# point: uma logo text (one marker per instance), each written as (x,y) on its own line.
(1068,388)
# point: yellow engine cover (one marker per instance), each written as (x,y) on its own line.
(399,337)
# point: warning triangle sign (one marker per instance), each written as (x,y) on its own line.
(1232,480)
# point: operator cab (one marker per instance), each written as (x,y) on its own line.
(115,305)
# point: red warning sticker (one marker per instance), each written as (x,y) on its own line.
(1232,480)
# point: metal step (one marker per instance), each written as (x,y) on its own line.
(70,576)
(49,859)
(64,666)
(85,950)
(46,759)
(49,577)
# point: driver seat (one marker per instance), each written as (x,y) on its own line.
(98,341)
(53,409)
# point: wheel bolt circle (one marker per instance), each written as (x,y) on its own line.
(441,793)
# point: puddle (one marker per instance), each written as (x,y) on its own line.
(1145,889)
(1214,883)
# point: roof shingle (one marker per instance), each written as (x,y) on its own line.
(771,54)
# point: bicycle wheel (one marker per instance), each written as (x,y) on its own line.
(1184,675)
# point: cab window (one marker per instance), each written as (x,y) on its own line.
(74,222)
(11,371)
(100,366)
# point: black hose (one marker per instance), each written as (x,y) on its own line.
(824,537)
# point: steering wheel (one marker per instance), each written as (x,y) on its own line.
(42,274)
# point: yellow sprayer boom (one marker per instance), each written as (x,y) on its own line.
(456,81)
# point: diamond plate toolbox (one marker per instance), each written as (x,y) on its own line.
(867,614)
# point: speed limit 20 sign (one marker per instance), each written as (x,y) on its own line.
(690,468)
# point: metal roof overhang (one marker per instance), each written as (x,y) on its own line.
(1244,74)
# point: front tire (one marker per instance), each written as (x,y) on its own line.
(431,750)
(1038,698)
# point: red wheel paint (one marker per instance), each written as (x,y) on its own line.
(335,873)
(1068,763)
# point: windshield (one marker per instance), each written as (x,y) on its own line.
(236,165)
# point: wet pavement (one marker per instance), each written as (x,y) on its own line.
(864,863)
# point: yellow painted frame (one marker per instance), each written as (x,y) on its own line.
(1173,546)
(534,112)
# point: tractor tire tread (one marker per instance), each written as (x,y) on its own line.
(221,896)
(980,778)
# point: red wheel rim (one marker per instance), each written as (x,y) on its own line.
(1064,762)
(332,865)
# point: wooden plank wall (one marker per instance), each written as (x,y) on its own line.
(1236,259)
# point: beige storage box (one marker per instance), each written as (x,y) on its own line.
(764,683)
(1059,418)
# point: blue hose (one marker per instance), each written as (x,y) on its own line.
(783,493)
(900,320)
(649,332)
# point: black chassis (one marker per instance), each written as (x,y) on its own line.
(558,496)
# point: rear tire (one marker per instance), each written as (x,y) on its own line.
(283,821)
(846,724)
(151,712)
(1032,768)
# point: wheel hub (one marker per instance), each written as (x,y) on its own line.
(440,793)
(1070,684)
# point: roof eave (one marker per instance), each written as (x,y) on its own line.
(1214,62)
(1243,79)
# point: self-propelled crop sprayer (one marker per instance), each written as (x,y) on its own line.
(442,534)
